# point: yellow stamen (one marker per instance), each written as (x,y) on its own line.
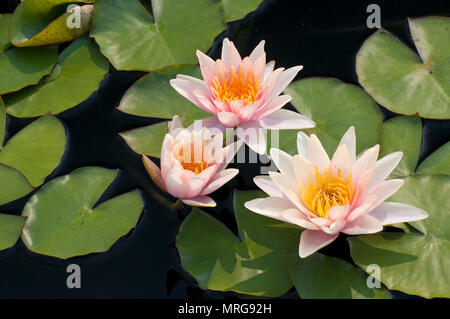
(192,163)
(327,190)
(238,87)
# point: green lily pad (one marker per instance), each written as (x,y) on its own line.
(404,134)
(63,221)
(400,80)
(334,106)
(235,9)
(148,139)
(263,261)
(10,230)
(40,22)
(80,69)
(13,185)
(36,150)
(437,163)
(413,262)
(25,66)
(133,39)
(5,20)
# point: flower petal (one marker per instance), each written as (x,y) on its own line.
(270,206)
(228,119)
(268,186)
(366,161)
(285,120)
(253,136)
(273,105)
(283,161)
(392,213)
(303,168)
(285,78)
(349,139)
(384,167)
(341,160)
(302,144)
(294,216)
(313,240)
(363,225)
(317,154)
(154,172)
(219,180)
(201,201)
(257,51)
(338,212)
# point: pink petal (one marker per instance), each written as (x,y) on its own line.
(175,185)
(228,119)
(205,101)
(211,123)
(257,51)
(317,154)
(341,160)
(284,80)
(268,70)
(272,207)
(363,209)
(232,57)
(294,216)
(366,161)
(285,182)
(205,60)
(154,172)
(186,88)
(219,180)
(384,167)
(284,120)
(283,161)
(349,139)
(253,136)
(302,144)
(392,213)
(338,212)
(201,201)
(247,112)
(313,240)
(273,105)
(363,225)
(268,186)
(384,190)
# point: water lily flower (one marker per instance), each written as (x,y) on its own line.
(243,93)
(192,164)
(328,196)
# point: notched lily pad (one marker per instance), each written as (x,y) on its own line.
(64,222)
(334,106)
(264,260)
(38,23)
(400,80)
(415,262)
(132,39)
(10,230)
(79,71)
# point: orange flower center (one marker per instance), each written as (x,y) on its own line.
(238,87)
(191,163)
(327,190)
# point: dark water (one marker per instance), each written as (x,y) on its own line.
(322,36)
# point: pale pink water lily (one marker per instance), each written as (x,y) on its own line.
(328,196)
(243,93)
(193,164)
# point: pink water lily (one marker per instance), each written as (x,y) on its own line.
(243,93)
(328,196)
(193,164)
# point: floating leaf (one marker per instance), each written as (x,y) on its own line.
(262,260)
(25,66)
(36,150)
(416,262)
(39,22)
(334,106)
(13,185)
(148,139)
(400,80)
(437,163)
(10,230)
(132,39)
(5,20)
(80,71)
(235,9)
(63,221)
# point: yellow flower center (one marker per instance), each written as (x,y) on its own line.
(238,87)
(190,163)
(327,190)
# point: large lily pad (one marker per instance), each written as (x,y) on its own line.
(263,261)
(63,221)
(438,162)
(10,230)
(80,69)
(400,80)
(334,106)
(133,39)
(5,20)
(148,139)
(43,22)
(415,262)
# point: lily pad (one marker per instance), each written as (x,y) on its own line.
(414,262)
(438,162)
(36,150)
(39,22)
(235,9)
(400,80)
(133,39)
(63,220)
(80,69)
(148,139)
(261,261)
(5,20)
(13,185)
(10,230)
(334,106)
